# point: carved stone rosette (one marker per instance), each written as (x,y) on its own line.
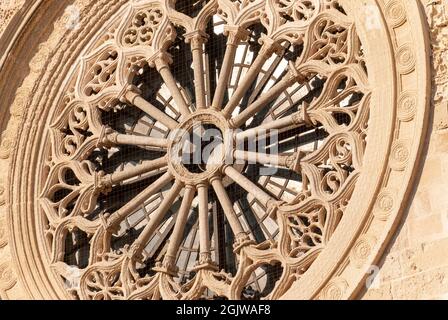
(102,203)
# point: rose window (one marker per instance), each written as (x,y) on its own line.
(277,94)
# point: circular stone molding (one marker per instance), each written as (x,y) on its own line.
(176,147)
(357,213)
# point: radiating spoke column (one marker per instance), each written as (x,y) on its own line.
(169,261)
(241,237)
(235,34)
(265,199)
(291,161)
(197,40)
(205,259)
(103,183)
(133,205)
(291,77)
(110,137)
(268,48)
(133,97)
(155,219)
(136,171)
(298,119)
(162,64)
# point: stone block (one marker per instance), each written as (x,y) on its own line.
(391,268)
(384,292)
(426,229)
(423,285)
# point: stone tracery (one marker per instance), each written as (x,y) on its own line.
(338,107)
(117,132)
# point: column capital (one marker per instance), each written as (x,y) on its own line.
(168,266)
(134,252)
(105,220)
(273,207)
(206,263)
(227,166)
(215,177)
(270,46)
(190,187)
(129,94)
(235,34)
(196,38)
(294,162)
(242,240)
(294,75)
(202,184)
(160,60)
(107,137)
(102,182)
(302,117)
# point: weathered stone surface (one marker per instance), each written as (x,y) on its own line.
(8,8)
(428,284)
(414,265)
(423,252)
(383,292)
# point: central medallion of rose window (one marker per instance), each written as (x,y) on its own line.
(199,147)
